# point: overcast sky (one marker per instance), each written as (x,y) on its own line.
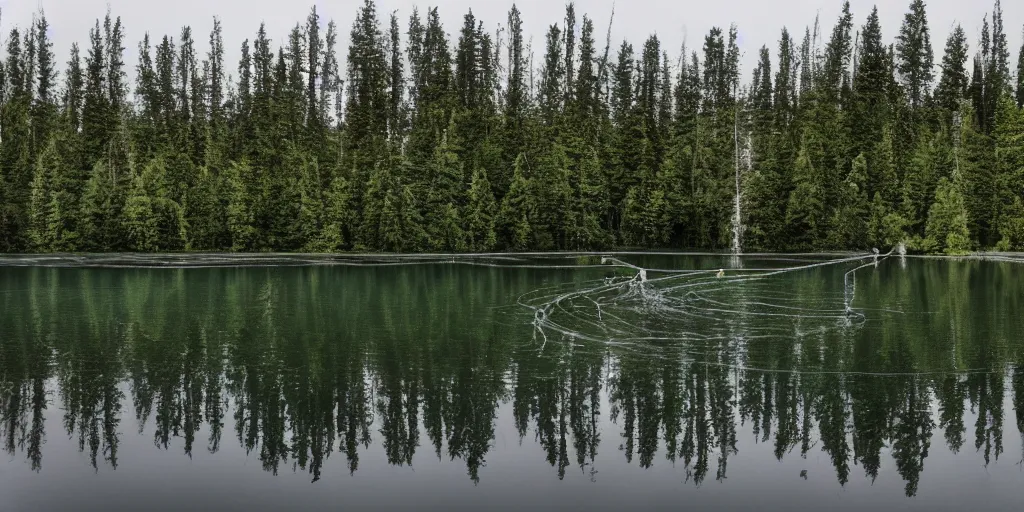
(759,21)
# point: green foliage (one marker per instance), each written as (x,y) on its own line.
(513,222)
(424,143)
(1012,227)
(886,228)
(391,219)
(480,214)
(241,192)
(445,197)
(206,211)
(849,227)
(806,211)
(337,216)
(914,53)
(946,230)
(588,202)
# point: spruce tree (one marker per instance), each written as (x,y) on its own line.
(516,102)
(140,220)
(205,208)
(480,213)
(73,95)
(446,197)
(16,164)
(953,81)
(919,183)
(552,76)
(40,238)
(1009,168)
(806,213)
(914,54)
(849,225)
(337,216)
(841,145)
(551,194)
(587,205)
(312,210)
(513,222)
(871,87)
(366,107)
(1020,76)
(946,230)
(976,164)
(239,181)
(96,105)
(396,120)
(44,107)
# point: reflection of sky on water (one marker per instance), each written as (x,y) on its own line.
(747,401)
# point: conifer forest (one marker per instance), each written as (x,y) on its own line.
(423,138)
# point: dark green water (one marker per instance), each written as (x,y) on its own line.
(512,384)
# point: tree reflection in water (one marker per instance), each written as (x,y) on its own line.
(303,363)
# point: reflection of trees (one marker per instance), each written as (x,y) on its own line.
(303,362)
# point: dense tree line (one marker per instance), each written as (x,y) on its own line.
(430,141)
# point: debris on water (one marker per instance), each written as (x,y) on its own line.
(720,274)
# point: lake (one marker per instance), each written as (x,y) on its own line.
(568,382)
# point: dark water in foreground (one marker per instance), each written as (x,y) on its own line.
(514,384)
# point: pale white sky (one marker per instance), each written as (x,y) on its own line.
(759,21)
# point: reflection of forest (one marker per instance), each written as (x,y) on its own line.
(302,363)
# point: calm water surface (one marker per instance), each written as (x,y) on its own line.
(569,383)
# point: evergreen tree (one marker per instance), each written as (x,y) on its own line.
(552,76)
(39,235)
(839,144)
(73,92)
(513,222)
(1020,77)
(837,56)
(206,210)
(551,194)
(920,181)
(140,220)
(366,107)
(446,198)
(806,213)
(914,53)
(849,226)
(391,221)
(953,82)
(480,212)
(44,107)
(1009,170)
(946,230)
(241,216)
(96,105)
(976,164)
(588,203)
(396,83)
(872,86)
(312,211)
(516,101)
(16,169)
(337,216)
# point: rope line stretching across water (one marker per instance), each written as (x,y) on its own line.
(688,308)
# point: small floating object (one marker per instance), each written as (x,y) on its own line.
(720,274)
